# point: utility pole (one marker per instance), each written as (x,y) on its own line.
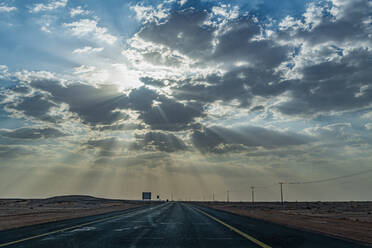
(281,192)
(213,196)
(252,188)
(171,196)
(227,196)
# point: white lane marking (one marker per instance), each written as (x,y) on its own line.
(84,229)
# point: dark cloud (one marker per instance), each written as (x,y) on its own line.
(157,141)
(158,58)
(33,133)
(257,108)
(238,44)
(332,85)
(102,108)
(172,115)
(37,106)
(241,84)
(227,88)
(183,31)
(220,140)
(186,31)
(97,106)
(142,98)
(351,25)
(21,89)
(93,105)
(152,81)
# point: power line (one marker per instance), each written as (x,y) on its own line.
(331,178)
(321,181)
(253,187)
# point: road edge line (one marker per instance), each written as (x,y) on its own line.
(245,235)
(65,229)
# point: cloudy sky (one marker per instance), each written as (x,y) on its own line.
(190,97)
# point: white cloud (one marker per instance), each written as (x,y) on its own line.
(52,5)
(141,11)
(87,73)
(4,71)
(368,126)
(88,49)
(28,76)
(117,74)
(45,28)
(367,115)
(84,69)
(182,2)
(86,27)
(5,8)
(47,23)
(148,13)
(226,11)
(78,11)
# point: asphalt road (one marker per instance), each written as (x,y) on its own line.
(166,225)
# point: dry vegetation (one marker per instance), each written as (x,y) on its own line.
(23,212)
(350,220)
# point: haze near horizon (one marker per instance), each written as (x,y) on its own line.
(186,97)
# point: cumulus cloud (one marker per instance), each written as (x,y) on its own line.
(172,115)
(52,5)
(88,49)
(240,43)
(367,115)
(332,86)
(93,105)
(218,139)
(343,21)
(37,106)
(287,63)
(206,71)
(149,13)
(90,28)
(5,8)
(104,106)
(183,31)
(78,11)
(330,67)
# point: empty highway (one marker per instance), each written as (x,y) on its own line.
(170,224)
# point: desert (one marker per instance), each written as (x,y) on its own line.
(25,212)
(348,220)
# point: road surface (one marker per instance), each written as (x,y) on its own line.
(170,224)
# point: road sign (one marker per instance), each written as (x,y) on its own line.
(146,195)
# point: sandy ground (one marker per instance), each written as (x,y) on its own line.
(24,212)
(350,220)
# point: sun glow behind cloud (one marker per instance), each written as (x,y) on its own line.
(197,96)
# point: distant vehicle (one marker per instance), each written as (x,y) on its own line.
(146,196)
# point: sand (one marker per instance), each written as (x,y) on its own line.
(348,220)
(24,212)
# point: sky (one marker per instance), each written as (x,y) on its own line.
(186,97)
